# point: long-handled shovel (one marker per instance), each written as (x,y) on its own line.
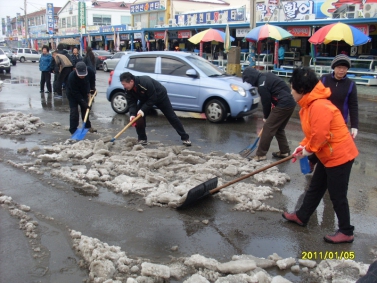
(251,147)
(209,187)
(80,133)
(125,128)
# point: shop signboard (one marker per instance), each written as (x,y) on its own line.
(147,7)
(184,34)
(50,18)
(137,35)
(124,37)
(118,28)
(110,37)
(82,16)
(159,35)
(300,31)
(98,38)
(227,15)
(242,32)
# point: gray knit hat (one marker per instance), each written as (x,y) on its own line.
(341,60)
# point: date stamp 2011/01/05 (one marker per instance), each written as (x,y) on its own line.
(327,255)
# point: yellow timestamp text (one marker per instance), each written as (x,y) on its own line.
(327,255)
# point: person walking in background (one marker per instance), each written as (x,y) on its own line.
(142,93)
(76,57)
(78,93)
(281,54)
(327,136)
(90,59)
(278,106)
(65,67)
(45,68)
(343,95)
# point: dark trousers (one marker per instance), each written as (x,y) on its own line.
(62,78)
(335,180)
(274,127)
(46,79)
(167,110)
(74,115)
(281,62)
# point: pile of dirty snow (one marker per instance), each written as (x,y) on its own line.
(17,123)
(161,175)
(109,264)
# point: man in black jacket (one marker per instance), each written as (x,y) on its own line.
(142,93)
(78,92)
(278,106)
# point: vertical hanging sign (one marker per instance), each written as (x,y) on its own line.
(50,18)
(82,16)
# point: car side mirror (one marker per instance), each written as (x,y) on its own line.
(191,73)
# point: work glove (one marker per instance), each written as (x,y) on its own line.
(92,91)
(140,112)
(264,120)
(354,132)
(131,118)
(300,152)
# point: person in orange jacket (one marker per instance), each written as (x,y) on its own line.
(328,137)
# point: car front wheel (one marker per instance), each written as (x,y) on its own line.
(22,59)
(119,103)
(104,67)
(215,111)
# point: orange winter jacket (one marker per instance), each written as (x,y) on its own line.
(326,134)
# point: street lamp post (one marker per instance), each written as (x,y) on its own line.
(26,24)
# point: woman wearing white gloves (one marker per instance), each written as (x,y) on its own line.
(326,136)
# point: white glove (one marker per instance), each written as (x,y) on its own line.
(264,120)
(354,132)
(140,113)
(131,118)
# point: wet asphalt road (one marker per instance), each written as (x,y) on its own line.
(115,219)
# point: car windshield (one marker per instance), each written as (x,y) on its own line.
(206,67)
(1,52)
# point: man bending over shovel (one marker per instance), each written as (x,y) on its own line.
(78,92)
(142,93)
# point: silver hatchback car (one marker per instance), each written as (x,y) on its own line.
(28,54)
(110,64)
(193,84)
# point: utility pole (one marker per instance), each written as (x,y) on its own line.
(252,45)
(26,25)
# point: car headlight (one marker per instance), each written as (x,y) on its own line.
(6,60)
(238,89)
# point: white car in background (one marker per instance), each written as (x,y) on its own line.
(4,62)
(28,54)
(110,64)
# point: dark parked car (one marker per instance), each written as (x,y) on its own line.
(101,55)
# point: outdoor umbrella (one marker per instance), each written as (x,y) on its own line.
(268,31)
(338,32)
(70,41)
(227,43)
(208,35)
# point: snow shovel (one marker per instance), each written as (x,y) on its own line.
(126,127)
(80,133)
(209,187)
(251,147)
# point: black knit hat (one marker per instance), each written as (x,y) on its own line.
(341,60)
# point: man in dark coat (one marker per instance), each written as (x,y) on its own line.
(142,93)
(278,106)
(78,92)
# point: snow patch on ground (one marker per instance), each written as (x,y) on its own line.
(162,175)
(17,123)
(109,264)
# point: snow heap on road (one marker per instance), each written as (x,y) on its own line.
(162,175)
(105,263)
(17,123)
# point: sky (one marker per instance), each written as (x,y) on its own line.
(12,7)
